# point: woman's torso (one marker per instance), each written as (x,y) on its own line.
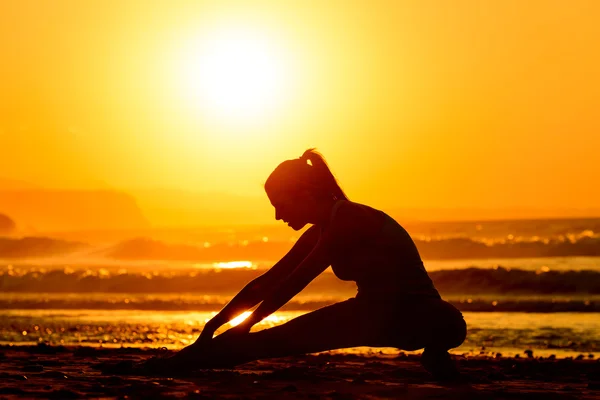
(384,264)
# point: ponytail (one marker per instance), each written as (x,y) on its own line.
(321,174)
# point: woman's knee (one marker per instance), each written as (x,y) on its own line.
(443,327)
(451,334)
(459,333)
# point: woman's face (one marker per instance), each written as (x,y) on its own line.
(294,208)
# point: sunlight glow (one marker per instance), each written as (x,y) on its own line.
(234,265)
(240,318)
(271,320)
(234,74)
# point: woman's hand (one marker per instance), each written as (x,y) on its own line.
(207,334)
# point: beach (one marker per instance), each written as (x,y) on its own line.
(65,372)
(533,326)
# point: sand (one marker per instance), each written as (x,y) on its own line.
(73,372)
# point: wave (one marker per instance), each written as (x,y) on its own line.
(447,248)
(29,247)
(149,249)
(516,281)
(584,244)
(475,281)
(452,248)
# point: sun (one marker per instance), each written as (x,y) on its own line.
(235,75)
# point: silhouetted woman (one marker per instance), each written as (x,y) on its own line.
(396,305)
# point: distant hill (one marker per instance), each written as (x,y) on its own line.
(64,210)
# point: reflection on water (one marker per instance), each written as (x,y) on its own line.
(561,334)
(127,327)
(234,265)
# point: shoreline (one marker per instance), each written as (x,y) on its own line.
(365,352)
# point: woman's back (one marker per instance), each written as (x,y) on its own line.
(382,258)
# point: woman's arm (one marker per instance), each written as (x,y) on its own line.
(246,298)
(311,267)
(254,292)
(351,225)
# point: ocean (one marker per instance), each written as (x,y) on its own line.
(522,285)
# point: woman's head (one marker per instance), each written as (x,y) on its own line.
(300,188)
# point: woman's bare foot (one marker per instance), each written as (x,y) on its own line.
(440,365)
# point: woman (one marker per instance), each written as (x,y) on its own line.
(397,304)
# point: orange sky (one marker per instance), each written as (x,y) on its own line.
(414,103)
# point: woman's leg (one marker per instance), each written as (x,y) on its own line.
(346,324)
(448,331)
(350,323)
(438,325)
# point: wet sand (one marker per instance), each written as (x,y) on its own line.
(59,372)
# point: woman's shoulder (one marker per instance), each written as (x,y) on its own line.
(356,209)
(349,215)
